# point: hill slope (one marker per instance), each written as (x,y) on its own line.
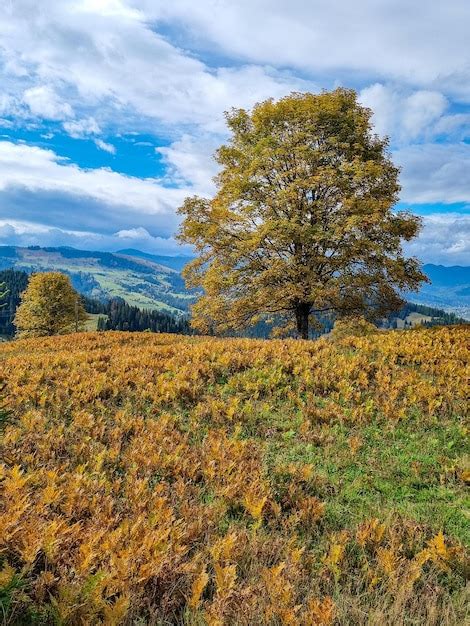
(141,282)
(449,289)
(154,281)
(156,478)
(175,262)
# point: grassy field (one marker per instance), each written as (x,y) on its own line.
(122,284)
(415,319)
(158,479)
(91,323)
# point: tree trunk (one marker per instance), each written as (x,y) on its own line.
(302,313)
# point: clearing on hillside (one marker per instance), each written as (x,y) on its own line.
(162,479)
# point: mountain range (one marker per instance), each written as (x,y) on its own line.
(154,282)
(449,289)
(143,280)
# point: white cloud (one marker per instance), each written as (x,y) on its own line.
(444,239)
(421,110)
(107,147)
(82,128)
(106,53)
(110,8)
(8,105)
(67,195)
(456,126)
(111,52)
(134,233)
(16,233)
(35,168)
(403,114)
(190,160)
(419,43)
(435,173)
(44,102)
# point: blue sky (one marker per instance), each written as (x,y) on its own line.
(110,110)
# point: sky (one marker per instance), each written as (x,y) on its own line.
(110,110)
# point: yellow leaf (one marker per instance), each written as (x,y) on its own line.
(114,614)
(6,575)
(197,588)
(225,578)
(319,612)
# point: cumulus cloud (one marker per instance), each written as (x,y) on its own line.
(107,147)
(134,233)
(37,185)
(189,160)
(419,43)
(107,53)
(444,239)
(422,108)
(44,102)
(403,114)
(28,234)
(435,173)
(168,70)
(111,56)
(82,127)
(9,105)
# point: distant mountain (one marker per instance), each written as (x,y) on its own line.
(140,281)
(443,276)
(449,289)
(152,281)
(175,262)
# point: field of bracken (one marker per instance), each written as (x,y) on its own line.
(158,479)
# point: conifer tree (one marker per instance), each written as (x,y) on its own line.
(3,295)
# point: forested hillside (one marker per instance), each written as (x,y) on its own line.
(114,314)
(14,284)
(449,289)
(117,314)
(141,282)
(154,281)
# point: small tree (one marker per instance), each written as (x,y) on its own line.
(49,306)
(352,327)
(302,222)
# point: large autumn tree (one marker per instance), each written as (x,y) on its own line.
(302,222)
(49,306)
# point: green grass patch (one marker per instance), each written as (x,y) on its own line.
(380,470)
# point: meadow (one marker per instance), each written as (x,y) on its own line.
(161,479)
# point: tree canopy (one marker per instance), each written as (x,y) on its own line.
(49,306)
(302,222)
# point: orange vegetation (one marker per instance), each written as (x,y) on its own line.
(135,485)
